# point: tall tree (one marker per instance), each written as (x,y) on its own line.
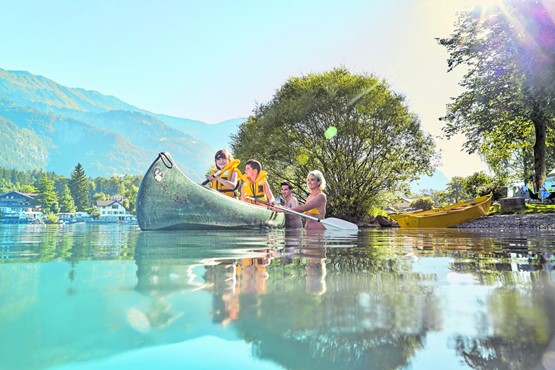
(455,190)
(509,50)
(353,128)
(66,201)
(47,194)
(79,187)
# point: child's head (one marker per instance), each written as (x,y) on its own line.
(222,158)
(253,165)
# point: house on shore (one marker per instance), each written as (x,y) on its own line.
(113,210)
(18,207)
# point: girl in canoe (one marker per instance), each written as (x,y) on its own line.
(315,204)
(225,177)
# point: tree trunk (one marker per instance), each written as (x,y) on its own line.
(540,127)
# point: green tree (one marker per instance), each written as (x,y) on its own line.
(476,181)
(130,197)
(66,201)
(353,128)
(47,196)
(27,188)
(509,100)
(423,203)
(100,196)
(5,186)
(455,190)
(79,187)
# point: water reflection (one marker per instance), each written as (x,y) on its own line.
(382,299)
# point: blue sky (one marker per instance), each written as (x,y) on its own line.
(214,60)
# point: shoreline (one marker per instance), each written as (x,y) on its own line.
(530,221)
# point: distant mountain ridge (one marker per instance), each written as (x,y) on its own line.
(44,125)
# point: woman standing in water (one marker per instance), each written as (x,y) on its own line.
(315,204)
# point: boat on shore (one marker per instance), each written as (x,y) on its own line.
(169,200)
(448,216)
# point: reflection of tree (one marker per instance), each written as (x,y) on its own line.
(522,309)
(60,242)
(498,353)
(373,314)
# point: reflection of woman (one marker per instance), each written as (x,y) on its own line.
(316,277)
(316,202)
(315,270)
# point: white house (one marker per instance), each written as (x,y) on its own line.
(112,207)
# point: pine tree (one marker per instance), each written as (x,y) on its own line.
(48,195)
(79,187)
(66,201)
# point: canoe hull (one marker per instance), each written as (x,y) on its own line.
(169,200)
(449,216)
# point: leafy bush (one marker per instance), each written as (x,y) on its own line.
(498,190)
(423,203)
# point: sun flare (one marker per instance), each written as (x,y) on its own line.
(483,5)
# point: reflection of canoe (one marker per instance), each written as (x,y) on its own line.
(448,216)
(168,199)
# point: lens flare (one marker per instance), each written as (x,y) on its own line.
(330,132)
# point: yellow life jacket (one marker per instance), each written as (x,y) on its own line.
(216,185)
(256,189)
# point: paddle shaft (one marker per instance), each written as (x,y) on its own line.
(285,209)
(215,174)
(333,223)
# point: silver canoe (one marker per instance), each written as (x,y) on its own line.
(168,199)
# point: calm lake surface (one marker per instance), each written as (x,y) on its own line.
(113,297)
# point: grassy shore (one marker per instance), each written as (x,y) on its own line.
(536,216)
(530,208)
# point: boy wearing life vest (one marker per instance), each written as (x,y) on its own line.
(225,177)
(255,184)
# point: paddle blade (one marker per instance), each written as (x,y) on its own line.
(338,224)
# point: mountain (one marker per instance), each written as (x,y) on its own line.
(44,125)
(203,132)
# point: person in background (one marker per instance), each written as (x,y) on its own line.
(544,194)
(316,202)
(289,200)
(255,184)
(225,176)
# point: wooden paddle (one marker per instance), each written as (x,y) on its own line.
(231,164)
(329,223)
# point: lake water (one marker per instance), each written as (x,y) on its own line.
(113,297)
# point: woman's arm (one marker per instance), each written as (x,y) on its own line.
(315,202)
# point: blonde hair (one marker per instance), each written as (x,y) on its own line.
(319,176)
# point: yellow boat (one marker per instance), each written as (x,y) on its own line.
(448,216)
